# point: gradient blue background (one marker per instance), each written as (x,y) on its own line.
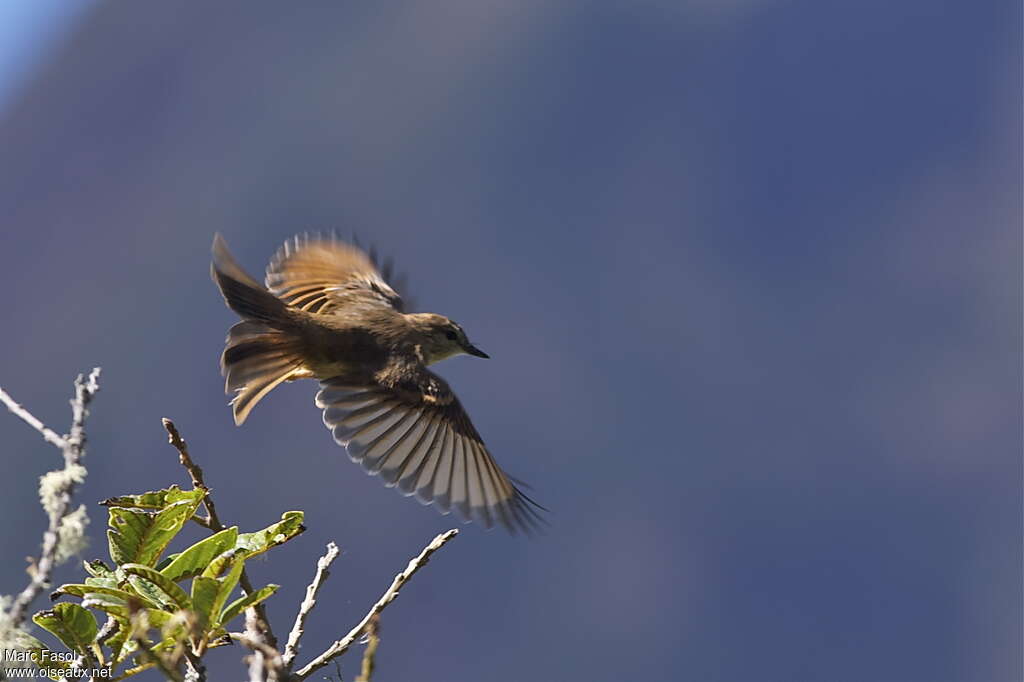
(749,272)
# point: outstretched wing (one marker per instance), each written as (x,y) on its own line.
(414,434)
(321,274)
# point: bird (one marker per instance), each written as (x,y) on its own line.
(325,312)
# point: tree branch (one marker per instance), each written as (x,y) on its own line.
(213,521)
(298,629)
(72,447)
(271,657)
(48,435)
(342,645)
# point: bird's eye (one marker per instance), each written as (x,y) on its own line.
(450,335)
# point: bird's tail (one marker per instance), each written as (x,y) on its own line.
(243,294)
(256,359)
(262,350)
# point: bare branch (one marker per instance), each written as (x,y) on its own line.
(73,448)
(265,663)
(48,435)
(270,657)
(342,645)
(194,472)
(85,389)
(322,566)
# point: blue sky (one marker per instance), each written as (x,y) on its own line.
(749,274)
(27,28)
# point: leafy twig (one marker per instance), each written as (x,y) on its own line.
(72,447)
(342,645)
(196,474)
(298,629)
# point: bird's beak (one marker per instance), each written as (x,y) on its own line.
(473,350)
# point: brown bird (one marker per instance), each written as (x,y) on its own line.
(326,313)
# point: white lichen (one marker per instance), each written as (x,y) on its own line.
(12,638)
(55,484)
(72,539)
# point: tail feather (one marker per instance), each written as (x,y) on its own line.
(254,391)
(256,359)
(261,351)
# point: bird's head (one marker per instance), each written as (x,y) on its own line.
(440,338)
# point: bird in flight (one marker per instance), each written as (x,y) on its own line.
(326,313)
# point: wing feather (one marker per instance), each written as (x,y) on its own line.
(415,434)
(442,483)
(425,483)
(391,463)
(322,274)
(459,496)
(411,470)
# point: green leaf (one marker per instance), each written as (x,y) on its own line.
(284,530)
(148,591)
(196,558)
(139,537)
(158,618)
(241,604)
(110,605)
(71,624)
(204,598)
(223,562)
(169,588)
(165,562)
(225,586)
(78,590)
(97,568)
(155,499)
(110,581)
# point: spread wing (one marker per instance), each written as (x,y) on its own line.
(414,434)
(322,274)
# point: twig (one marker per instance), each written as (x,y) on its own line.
(370,655)
(213,521)
(255,645)
(271,656)
(48,435)
(194,472)
(262,668)
(342,645)
(73,448)
(322,566)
